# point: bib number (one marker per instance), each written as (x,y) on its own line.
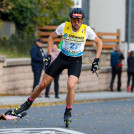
(73,46)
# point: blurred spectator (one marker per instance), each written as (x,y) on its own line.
(116,64)
(130,71)
(37,61)
(54,54)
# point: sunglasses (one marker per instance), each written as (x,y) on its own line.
(79,20)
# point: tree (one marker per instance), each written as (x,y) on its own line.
(5,5)
(28,14)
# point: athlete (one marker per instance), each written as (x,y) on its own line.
(74,35)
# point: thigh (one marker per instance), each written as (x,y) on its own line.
(133,76)
(75,69)
(56,67)
(128,75)
(113,72)
(119,72)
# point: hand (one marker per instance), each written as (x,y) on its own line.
(95,65)
(47,60)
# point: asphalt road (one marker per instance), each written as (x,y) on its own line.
(113,117)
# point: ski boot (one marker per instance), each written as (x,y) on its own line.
(67,117)
(9,115)
(17,112)
(25,106)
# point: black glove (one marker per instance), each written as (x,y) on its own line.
(47,60)
(95,65)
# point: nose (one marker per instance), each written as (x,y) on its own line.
(76,21)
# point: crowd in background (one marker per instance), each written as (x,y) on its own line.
(116,69)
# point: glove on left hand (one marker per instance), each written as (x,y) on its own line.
(95,65)
(47,60)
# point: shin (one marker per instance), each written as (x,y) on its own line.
(72,80)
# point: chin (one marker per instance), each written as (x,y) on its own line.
(76,28)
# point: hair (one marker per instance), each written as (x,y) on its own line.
(131,53)
(56,43)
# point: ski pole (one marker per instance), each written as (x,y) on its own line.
(94,70)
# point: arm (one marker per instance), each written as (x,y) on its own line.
(95,65)
(51,38)
(99,43)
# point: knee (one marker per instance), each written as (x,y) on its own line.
(70,87)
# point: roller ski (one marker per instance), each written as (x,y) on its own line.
(67,118)
(9,115)
(17,112)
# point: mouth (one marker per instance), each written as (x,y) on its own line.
(76,26)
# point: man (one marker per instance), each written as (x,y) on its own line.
(116,64)
(130,71)
(74,35)
(37,61)
(54,54)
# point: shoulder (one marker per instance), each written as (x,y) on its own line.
(60,29)
(34,47)
(114,53)
(90,33)
(61,26)
(89,28)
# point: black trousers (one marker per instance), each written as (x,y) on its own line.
(37,75)
(56,87)
(128,81)
(116,71)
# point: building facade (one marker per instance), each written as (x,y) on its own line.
(108,16)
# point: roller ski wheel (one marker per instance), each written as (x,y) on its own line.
(67,120)
(9,115)
(21,115)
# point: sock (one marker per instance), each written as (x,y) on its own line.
(31,99)
(68,107)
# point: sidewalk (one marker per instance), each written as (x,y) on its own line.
(89,96)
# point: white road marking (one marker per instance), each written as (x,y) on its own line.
(38,131)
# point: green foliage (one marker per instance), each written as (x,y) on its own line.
(54,11)
(22,14)
(5,37)
(1,23)
(28,14)
(16,47)
(5,5)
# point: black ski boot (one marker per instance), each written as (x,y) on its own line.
(67,117)
(25,106)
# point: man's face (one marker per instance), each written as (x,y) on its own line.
(76,23)
(39,43)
